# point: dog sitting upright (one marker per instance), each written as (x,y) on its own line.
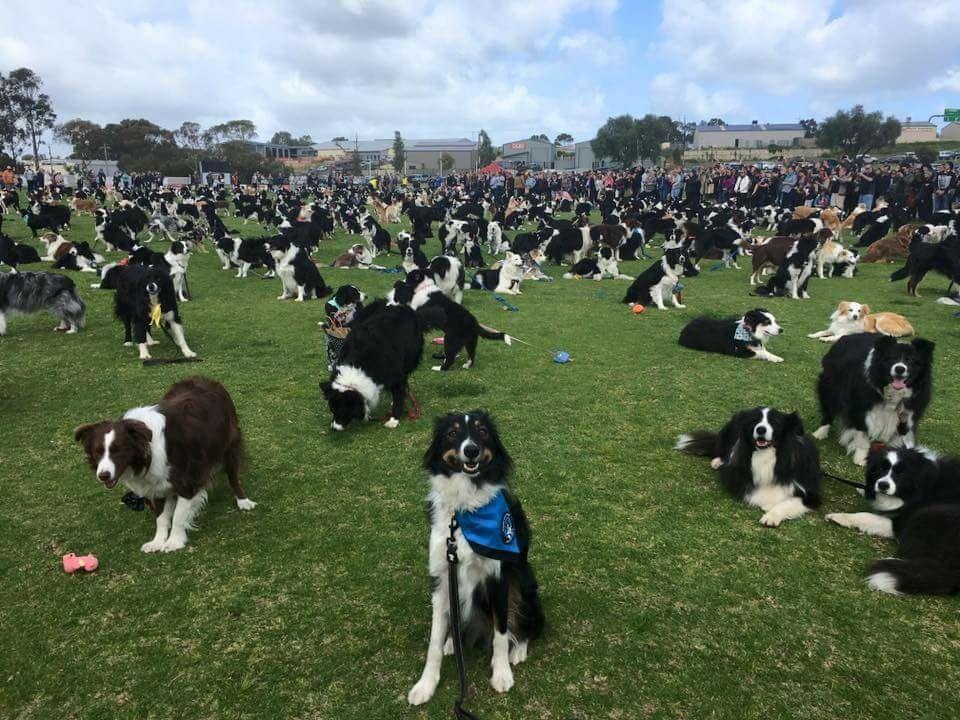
(503,279)
(169,453)
(765,459)
(468,467)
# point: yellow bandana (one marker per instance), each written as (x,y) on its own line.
(155,315)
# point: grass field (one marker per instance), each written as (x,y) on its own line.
(664,597)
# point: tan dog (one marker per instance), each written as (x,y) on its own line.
(853,317)
(84,205)
(827,215)
(892,247)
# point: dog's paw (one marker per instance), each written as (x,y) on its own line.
(448,646)
(771,518)
(152,546)
(502,679)
(189,354)
(437,368)
(860,457)
(422,691)
(518,653)
(716,463)
(246,504)
(173,544)
(821,432)
(391,423)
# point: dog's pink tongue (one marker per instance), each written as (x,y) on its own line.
(899,384)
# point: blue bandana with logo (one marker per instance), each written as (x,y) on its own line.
(742,333)
(490,530)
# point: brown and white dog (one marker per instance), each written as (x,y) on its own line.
(853,317)
(168,454)
(832,253)
(772,253)
(891,248)
(357,256)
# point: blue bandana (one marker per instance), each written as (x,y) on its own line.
(489,529)
(742,334)
(677,288)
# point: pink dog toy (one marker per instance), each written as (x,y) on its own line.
(72,563)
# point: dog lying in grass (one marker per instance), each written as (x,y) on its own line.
(852,317)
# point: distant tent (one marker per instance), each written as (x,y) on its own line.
(492,169)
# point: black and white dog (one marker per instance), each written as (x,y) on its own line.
(447,273)
(603,266)
(297,272)
(658,281)
(30,292)
(916,499)
(504,277)
(13,253)
(378,239)
(461,330)
(793,275)
(380,352)
(744,338)
(765,459)
(879,389)
(468,466)
(140,291)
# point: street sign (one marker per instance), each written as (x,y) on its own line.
(951,115)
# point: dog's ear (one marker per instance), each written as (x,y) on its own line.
(924,348)
(138,432)
(865,309)
(83,433)
(793,424)
(885,342)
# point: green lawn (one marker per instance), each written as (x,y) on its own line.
(664,597)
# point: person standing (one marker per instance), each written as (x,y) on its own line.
(741,188)
(866,187)
(944,188)
(787,187)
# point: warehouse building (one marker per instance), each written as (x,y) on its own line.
(911,132)
(424,155)
(754,135)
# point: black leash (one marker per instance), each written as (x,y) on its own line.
(459,711)
(851,483)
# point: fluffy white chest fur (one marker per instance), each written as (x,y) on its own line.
(448,494)
(882,420)
(766,493)
(154,483)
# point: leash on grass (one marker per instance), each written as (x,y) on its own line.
(851,483)
(459,712)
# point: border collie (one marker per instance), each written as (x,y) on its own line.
(356,256)
(140,290)
(468,466)
(879,389)
(378,239)
(942,257)
(30,292)
(78,257)
(852,317)
(603,266)
(447,273)
(916,499)
(244,253)
(178,258)
(169,453)
(658,280)
(297,272)
(381,351)
(793,275)
(13,253)
(744,338)
(460,328)
(765,459)
(413,259)
(504,278)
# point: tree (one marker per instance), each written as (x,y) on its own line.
(29,109)
(304,139)
(339,139)
(926,155)
(627,139)
(189,136)
(281,137)
(716,121)
(683,133)
(230,131)
(399,153)
(86,138)
(485,152)
(563,139)
(810,127)
(541,136)
(856,132)
(446,162)
(355,167)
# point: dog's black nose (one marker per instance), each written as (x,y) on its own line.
(152,288)
(761,431)
(103,477)
(899,369)
(471,451)
(883,486)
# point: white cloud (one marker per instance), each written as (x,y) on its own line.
(949,81)
(426,67)
(817,49)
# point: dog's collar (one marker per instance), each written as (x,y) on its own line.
(490,529)
(741,333)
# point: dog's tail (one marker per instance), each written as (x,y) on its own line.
(490,334)
(901,273)
(914,576)
(698,442)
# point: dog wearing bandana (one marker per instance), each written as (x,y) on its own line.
(467,466)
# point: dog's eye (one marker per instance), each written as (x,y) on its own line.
(483,432)
(451,434)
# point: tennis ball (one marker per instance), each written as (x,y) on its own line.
(637,309)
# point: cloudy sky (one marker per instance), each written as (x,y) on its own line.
(446,68)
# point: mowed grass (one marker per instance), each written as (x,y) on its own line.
(664,597)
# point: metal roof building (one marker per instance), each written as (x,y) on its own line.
(754,135)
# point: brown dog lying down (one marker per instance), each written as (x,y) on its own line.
(891,248)
(853,317)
